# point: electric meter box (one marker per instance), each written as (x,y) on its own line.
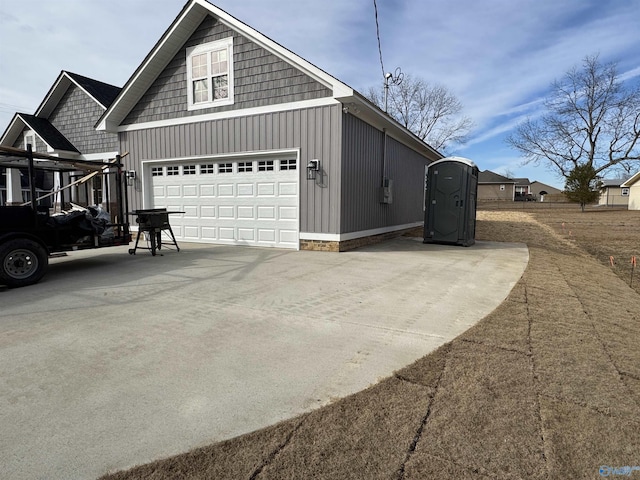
(451,190)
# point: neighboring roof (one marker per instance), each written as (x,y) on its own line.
(173,40)
(101,93)
(490,177)
(522,181)
(612,182)
(43,128)
(633,180)
(544,186)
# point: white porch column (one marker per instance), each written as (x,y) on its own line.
(14,187)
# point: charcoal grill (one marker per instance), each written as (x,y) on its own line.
(153,222)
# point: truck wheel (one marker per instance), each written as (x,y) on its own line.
(22,262)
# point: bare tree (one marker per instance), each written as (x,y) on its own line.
(431,112)
(592,120)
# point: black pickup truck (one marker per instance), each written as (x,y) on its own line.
(30,233)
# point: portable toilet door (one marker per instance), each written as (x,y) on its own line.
(450,202)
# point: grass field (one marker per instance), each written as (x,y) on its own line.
(545,387)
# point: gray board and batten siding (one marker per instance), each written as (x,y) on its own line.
(363,168)
(314,132)
(260,78)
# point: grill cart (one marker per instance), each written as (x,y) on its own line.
(88,212)
(151,223)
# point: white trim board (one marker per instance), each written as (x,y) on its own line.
(283,107)
(340,237)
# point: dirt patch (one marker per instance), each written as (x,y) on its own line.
(546,386)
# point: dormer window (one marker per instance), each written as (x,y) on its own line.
(210,74)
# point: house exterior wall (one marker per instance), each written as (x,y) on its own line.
(612,197)
(260,78)
(490,192)
(362,174)
(634,196)
(75,117)
(314,132)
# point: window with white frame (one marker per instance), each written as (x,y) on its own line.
(225,168)
(173,170)
(207,168)
(210,74)
(189,170)
(265,165)
(157,171)
(245,167)
(287,164)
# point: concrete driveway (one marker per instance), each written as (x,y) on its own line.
(115,360)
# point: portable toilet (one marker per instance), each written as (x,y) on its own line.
(450,202)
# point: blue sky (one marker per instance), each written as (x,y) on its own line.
(497,56)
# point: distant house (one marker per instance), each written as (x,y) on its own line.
(522,188)
(495,187)
(546,193)
(613,193)
(633,184)
(64,125)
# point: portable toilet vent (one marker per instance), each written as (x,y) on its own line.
(450,202)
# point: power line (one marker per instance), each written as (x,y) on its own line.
(375,9)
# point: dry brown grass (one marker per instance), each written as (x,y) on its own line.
(545,387)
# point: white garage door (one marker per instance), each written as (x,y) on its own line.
(242,202)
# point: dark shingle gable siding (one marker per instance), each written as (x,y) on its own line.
(75,117)
(260,78)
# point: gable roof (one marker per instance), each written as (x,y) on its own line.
(633,180)
(101,93)
(521,181)
(49,134)
(173,40)
(488,176)
(612,182)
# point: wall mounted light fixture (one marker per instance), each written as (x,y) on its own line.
(312,169)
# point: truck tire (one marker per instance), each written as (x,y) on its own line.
(22,262)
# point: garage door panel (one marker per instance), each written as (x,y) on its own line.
(266,212)
(267,235)
(246,234)
(288,213)
(226,233)
(287,189)
(192,233)
(226,211)
(245,212)
(232,207)
(173,191)
(225,190)
(266,189)
(190,211)
(208,211)
(207,190)
(245,190)
(190,190)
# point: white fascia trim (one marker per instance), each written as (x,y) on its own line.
(289,152)
(340,237)
(339,89)
(319,102)
(96,157)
